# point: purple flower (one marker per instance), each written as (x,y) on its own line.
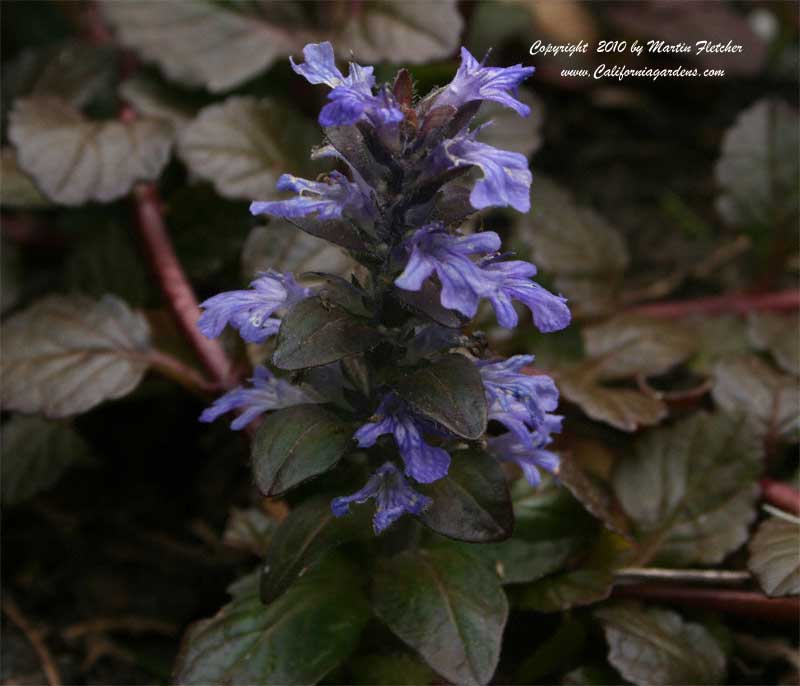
(352,98)
(251,311)
(391,492)
(520,402)
(424,463)
(473,81)
(531,455)
(433,249)
(506,178)
(266,393)
(464,281)
(327,199)
(511,281)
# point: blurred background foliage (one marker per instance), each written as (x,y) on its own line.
(666,211)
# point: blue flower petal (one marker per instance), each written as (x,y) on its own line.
(392,493)
(266,392)
(506,178)
(351,97)
(424,463)
(476,82)
(251,311)
(320,65)
(328,199)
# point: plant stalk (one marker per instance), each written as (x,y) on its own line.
(740,303)
(175,286)
(742,603)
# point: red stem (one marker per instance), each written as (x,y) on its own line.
(743,603)
(781,495)
(174,284)
(718,304)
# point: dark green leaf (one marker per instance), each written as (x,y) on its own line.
(398,669)
(780,334)
(295,640)
(472,502)
(450,392)
(654,647)
(775,558)
(691,488)
(250,530)
(427,303)
(341,292)
(302,538)
(35,454)
(449,609)
(751,390)
(550,529)
(758,168)
(313,334)
(340,232)
(243,145)
(431,340)
(295,444)
(211,44)
(74,160)
(593,494)
(65,354)
(589,582)
(631,345)
(623,408)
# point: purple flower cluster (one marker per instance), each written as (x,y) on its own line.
(462,269)
(524,404)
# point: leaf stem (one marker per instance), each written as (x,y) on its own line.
(743,603)
(177,370)
(740,303)
(781,495)
(34,637)
(690,576)
(174,285)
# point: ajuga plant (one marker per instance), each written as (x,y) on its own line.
(379,379)
(390,351)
